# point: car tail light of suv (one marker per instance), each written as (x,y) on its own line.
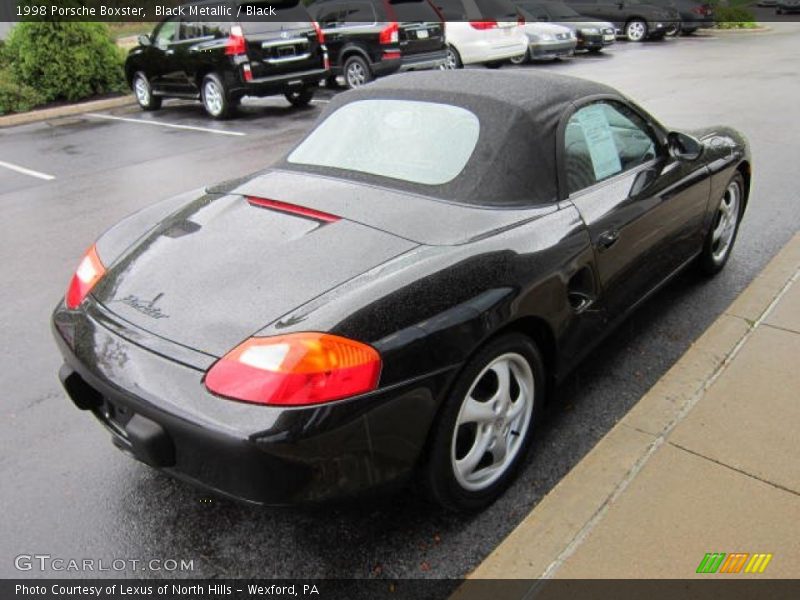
(236,44)
(483,25)
(390,34)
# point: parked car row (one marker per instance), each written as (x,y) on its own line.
(219,63)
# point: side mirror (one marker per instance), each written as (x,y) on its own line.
(683,146)
(144,40)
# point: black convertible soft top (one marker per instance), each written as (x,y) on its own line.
(514,161)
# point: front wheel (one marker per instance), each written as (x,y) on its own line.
(486,425)
(215,98)
(724,227)
(300,97)
(636,30)
(144,92)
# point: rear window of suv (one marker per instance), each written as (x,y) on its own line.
(413,10)
(288,15)
(419,142)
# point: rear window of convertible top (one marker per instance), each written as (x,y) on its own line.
(419,142)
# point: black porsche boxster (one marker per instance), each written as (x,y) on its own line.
(397,295)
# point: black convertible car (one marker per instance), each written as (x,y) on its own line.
(399,293)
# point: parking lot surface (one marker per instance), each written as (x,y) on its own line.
(70,494)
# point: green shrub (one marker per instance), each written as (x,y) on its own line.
(734,18)
(15,96)
(65,60)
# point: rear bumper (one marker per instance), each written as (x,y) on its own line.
(428,60)
(278,84)
(158,411)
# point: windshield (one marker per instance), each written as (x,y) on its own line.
(418,142)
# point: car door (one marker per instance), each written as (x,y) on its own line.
(192,55)
(166,71)
(643,209)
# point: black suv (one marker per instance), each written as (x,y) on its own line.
(635,20)
(219,62)
(371,38)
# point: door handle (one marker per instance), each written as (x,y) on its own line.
(607,239)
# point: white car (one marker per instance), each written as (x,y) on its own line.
(547,41)
(473,37)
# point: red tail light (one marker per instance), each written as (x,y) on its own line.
(391,55)
(89,272)
(390,34)
(521,20)
(482,25)
(248,72)
(235,44)
(320,34)
(295,369)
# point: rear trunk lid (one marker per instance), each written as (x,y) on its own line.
(220,269)
(421,29)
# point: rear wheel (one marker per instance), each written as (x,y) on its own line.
(724,227)
(215,98)
(300,97)
(523,59)
(486,425)
(636,30)
(144,92)
(356,72)
(453,60)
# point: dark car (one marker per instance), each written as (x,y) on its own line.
(398,295)
(220,62)
(593,34)
(635,20)
(785,7)
(372,38)
(694,14)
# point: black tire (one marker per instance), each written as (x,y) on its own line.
(356,72)
(215,97)
(521,60)
(441,480)
(144,92)
(711,261)
(453,59)
(636,30)
(300,98)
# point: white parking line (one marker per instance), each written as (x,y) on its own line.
(24,171)
(174,126)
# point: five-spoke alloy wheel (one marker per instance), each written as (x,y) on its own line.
(485,427)
(724,227)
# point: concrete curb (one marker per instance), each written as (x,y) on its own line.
(46,114)
(558,524)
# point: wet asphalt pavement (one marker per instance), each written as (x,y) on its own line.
(68,493)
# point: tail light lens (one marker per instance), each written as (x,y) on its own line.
(295,369)
(320,34)
(235,44)
(483,25)
(89,272)
(520,20)
(390,34)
